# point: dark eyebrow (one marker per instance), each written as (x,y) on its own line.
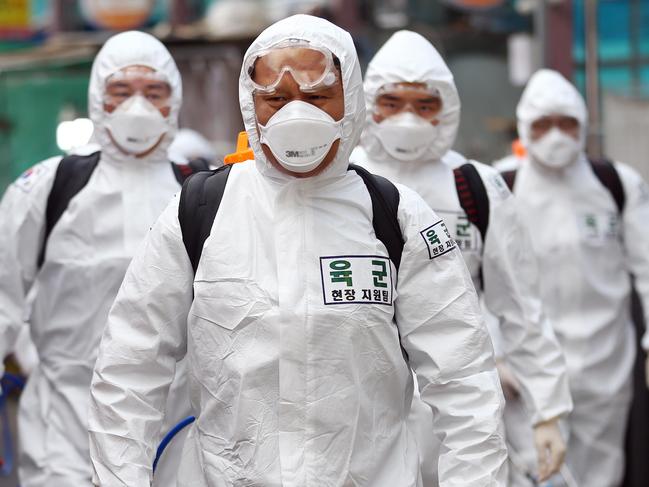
(428,100)
(391,97)
(157,85)
(118,84)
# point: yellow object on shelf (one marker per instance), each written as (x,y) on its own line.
(243,153)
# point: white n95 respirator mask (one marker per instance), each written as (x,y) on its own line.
(300,135)
(555,150)
(136,125)
(406,136)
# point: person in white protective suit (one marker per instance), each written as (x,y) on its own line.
(587,249)
(189,145)
(134,98)
(292,322)
(413,113)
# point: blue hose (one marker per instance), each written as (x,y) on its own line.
(10,382)
(169,436)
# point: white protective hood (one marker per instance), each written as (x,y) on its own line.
(129,49)
(324,34)
(189,145)
(409,57)
(549,93)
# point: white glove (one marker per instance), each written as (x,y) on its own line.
(550,448)
(511,387)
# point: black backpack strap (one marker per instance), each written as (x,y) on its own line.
(385,220)
(183,171)
(200,199)
(610,178)
(72,175)
(385,206)
(199,164)
(473,196)
(510,178)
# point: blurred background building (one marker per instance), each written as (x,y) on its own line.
(492,46)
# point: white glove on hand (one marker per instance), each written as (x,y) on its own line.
(511,387)
(550,448)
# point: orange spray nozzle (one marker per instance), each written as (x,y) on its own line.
(518,149)
(243,152)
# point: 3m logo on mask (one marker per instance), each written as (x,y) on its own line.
(299,154)
(438,239)
(356,279)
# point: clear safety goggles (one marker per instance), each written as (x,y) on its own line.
(421,99)
(311,67)
(152,86)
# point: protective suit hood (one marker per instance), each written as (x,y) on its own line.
(324,34)
(409,57)
(189,145)
(549,93)
(129,49)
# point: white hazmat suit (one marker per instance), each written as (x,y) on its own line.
(290,390)
(502,262)
(587,252)
(87,254)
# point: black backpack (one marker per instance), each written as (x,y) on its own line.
(202,193)
(72,175)
(201,196)
(604,171)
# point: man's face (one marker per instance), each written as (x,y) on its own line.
(567,125)
(329,99)
(407,97)
(134,80)
(137,80)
